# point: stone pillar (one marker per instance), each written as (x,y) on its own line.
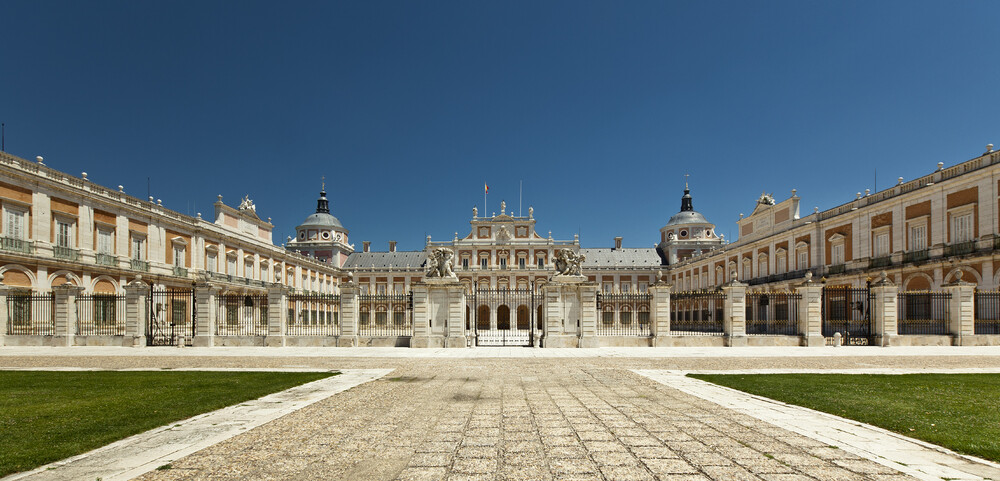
(588,315)
(205,304)
(277,299)
(734,314)
(455,321)
(961,309)
(810,312)
(136,304)
(659,313)
(421,315)
(884,310)
(571,312)
(438,313)
(348,315)
(4,316)
(65,310)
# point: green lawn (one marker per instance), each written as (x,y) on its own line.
(46,416)
(958,411)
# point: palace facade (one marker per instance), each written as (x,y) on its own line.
(64,239)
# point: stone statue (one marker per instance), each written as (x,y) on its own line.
(568,262)
(247,204)
(439,263)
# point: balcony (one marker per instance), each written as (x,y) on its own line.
(138,265)
(65,253)
(837,269)
(916,256)
(20,246)
(180,271)
(876,262)
(960,248)
(105,259)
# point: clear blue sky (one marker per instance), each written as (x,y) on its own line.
(409,107)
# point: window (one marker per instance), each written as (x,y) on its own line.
(503,262)
(521,262)
(64,234)
(263,272)
(179,256)
(918,237)
(626,287)
(761,265)
(609,287)
(248,269)
(380,289)
(541,263)
(961,228)
(484,262)
(837,254)
(105,241)
(803,260)
(211,262)
(138,248)
(14,225)
(643,287)
(781,263)
(397,288)
(881,247)
(231,265)
(465,263)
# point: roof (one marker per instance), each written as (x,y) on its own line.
(398,259)
(688,217)
(607,257)
(321,219)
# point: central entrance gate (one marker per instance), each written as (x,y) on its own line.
(848,310)
(170,317)
(504,317)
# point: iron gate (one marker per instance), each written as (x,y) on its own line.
(170,317)
(504,317)
(848,310)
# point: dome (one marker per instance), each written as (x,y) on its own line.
(321,219)
(687,217)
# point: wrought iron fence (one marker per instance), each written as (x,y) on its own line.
(313,315)
(987,317)
(772,313)
(923,312)
(385,315)
(697,313)
(241,315)
(623,314)
(100,315)
(31,314)
(847,310)
(171,317)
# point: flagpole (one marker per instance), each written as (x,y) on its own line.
(520,187)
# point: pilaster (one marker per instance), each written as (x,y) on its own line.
(65,318)
(811,312)
(961,309)
(885,311)
(136,303)
(277,299)
(348,315)
(588,315)
(205,294)
(659,313)
(734,313)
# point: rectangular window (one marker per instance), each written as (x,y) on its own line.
(918,237)
(780,268)
(643,287)
(837,254)
(14,224)
(609,287)
(231,265)
(881,244)
(465,263)
(380,289)
(521,262)
(64,234)
(503,262)
(263,272)
(179,256)
(626,287)
(210,262)
(138,252)
(105,241)
(803,259)
(541,263)
(248,270)
(484,263)
(397,288)
(961,228)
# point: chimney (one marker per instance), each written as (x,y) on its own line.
(392,246)
(618,242)
(367,246)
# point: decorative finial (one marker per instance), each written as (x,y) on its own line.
(686,181)
(475,211)
(121,188)
(40,160)
(84,175)
(899,181)
(323,182)
(989,148)
(503,207)
(531,212)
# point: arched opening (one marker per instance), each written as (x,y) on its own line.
(503,318)
(483,317)
(523,315)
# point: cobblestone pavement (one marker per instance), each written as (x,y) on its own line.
(523,419)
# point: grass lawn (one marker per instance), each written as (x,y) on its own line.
(957,411)
(46,416)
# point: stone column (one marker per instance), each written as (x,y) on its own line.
(734,314)
(136,304)
(961,309)
(4,315)
(659,313)
(204,330)
(588,315)
(349,315)
(810,312)
(277,299)
(885,311)
(65,318)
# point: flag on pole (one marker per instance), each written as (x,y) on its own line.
(486,188)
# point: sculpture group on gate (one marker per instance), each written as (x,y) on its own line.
(568,263)
(439,263)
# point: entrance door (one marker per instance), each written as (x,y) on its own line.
(494,323)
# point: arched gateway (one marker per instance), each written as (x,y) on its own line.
(504,317)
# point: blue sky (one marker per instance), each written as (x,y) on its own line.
(407,108)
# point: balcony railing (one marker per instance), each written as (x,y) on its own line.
(65,253)
(105,259)
(837,269)
(875,262)
(916,256)
(180,271)
(138,265)
(960,248)
(21,246)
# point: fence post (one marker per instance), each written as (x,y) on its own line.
(136,303)
(659,313)
(205,295)
(885,310)
(348,315)
(65,318)
(588,315)
(961,309)
(277,299)
(421,315)
(811,312)
(4,315)
(734,322)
